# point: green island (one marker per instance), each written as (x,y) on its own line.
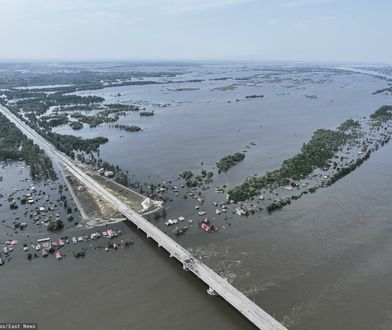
(76,125)
(146,113)
(123,107)
(255,96)
(127,128)
(104,116)
(384,90)
(95,120)
(278,204)
(229,161)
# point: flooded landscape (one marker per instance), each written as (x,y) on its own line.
(323,261)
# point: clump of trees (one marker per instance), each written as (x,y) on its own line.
(347,169)
(255,96)
(80,253)
(382,114)
(186,175)
(146,113)
(278,204)
(42,101)
(76,125)
(68,143)
(229,161)
(104,116)
(55,225)
(15,145)
(194,181)
(123,107)
(120,176)
(349,124)
(54,120)
(127,128)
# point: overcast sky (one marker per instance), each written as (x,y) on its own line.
(309,30)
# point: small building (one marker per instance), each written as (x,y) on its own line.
(109,174)
(81,188)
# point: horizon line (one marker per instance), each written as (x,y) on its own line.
(185,61)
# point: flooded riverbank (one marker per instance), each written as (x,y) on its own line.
(322,262)
(314,264)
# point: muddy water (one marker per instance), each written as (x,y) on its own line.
(324,262)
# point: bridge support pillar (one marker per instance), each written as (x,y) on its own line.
(211,292)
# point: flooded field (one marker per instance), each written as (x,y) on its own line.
(323,262)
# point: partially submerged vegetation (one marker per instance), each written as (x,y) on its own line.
(69,143)
(55,120)
(317,154)
(229,161)
(42,101)
(254,96)
(349,124)
(103,116)
(382,115)
(119,175)
(76,125)
(316,165)
(123,107)
(225,88)
(278,204)
(192,180)
(314,154)
(347,169)
(128,128)
(146,113)
(55,225)
(15,145)
(384,90)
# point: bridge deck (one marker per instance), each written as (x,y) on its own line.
(244,305)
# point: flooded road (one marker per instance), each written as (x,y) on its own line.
(324,262)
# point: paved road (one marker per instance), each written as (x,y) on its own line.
(249,309)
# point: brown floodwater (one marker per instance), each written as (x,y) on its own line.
(324,262)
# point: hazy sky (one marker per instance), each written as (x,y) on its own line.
(309,30)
